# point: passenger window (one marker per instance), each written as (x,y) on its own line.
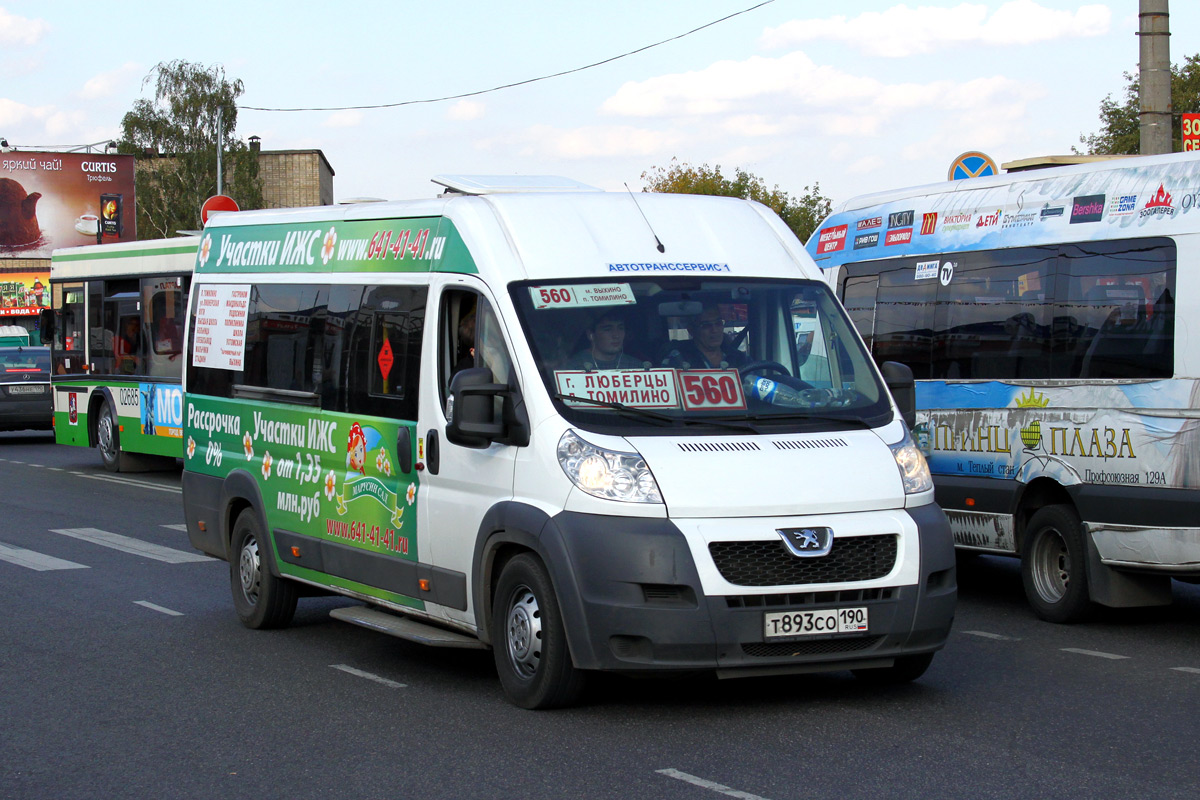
(381,351)
(284,327)
(471,336)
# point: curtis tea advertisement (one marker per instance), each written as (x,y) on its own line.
(50,200)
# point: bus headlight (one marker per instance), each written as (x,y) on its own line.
(607,474)
(914,470)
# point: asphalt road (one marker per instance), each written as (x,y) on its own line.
(125,674)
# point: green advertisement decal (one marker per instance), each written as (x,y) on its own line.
(325,475)
(426,244)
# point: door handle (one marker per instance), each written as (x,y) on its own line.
(432,459)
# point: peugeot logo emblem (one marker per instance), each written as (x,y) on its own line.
(807,542)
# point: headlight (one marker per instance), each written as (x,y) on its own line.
(607,474)
(914,471)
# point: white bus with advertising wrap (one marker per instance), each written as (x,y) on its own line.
(1044,315)
(590,431)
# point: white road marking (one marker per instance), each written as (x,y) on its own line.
(127,544)
(160,609)
(1192,670)
(368,676)
(37,465)
(182,526)
(995,636)
(710,785)
(55,469)
(130,482)
(1095,653)
(34,560)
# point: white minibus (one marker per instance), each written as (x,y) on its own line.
(586,430)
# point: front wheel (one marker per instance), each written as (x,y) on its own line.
(1054,565)
(260,599)
(108,437)
(529,641)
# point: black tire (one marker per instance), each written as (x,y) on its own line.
(108,437)
(261,599)
(1054,565)
(906,669)
(529,641)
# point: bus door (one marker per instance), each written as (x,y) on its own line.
(460,484)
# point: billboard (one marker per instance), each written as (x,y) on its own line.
(50,200)
(23,293)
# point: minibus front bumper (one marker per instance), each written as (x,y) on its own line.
(631,600)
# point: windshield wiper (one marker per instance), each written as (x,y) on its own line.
(797,417)
(637,412)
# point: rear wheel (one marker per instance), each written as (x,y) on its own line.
(1054,565)
(529,642)
(260,599)
(906,669)
(108,437)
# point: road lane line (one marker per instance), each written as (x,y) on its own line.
(181,526)
(1192,670)
(1095,653)
(55,469)
(719,788)
(37,465)
(160,609)
(127,544)
(130,482)
(368,676)
(995,636)
(33,560)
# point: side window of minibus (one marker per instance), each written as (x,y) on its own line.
(379,351)
(470,336)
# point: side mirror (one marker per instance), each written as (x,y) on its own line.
(899,380)
(471,408)
(46,325)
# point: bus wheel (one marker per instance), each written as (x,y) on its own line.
(906,669)
(528,639)
(260,599)
(1054,565)
(108,437)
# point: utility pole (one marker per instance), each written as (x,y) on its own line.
(221,136)
(1154,77)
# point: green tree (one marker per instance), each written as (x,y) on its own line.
(1119,131)
(802,214)
(174,137)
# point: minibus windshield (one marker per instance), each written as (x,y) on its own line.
(655,354)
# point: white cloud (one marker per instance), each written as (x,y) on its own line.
(14,113)
(21,30)
(107,83)
(466,111)
(753,95)
(343,119)
(902,31)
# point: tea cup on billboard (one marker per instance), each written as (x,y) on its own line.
(87,224)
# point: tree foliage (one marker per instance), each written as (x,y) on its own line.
(802,214)
(1119,132)
(174,137)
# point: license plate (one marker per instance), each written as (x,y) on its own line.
(786,624)
(26,390)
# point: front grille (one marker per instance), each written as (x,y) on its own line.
(817,648)
(770,563)
(799,599)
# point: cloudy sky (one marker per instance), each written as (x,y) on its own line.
(873,96)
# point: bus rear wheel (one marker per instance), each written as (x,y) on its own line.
(108,437)
(529,642)
(1054,565)
(260,599)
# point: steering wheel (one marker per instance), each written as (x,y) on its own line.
(764,366)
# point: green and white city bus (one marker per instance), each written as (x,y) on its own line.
(115,328)
(1044,315)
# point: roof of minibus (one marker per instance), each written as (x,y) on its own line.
(554,234)
(1138,196)
(1080,171)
